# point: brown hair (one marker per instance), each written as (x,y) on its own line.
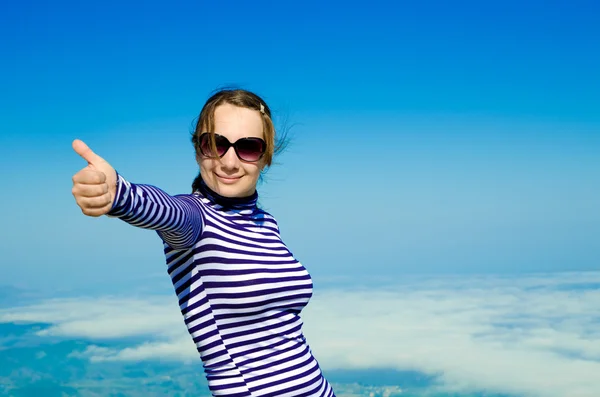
(244,99)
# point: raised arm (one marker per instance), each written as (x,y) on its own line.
(99,190)
(177,219)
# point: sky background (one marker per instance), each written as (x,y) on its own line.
(432,145)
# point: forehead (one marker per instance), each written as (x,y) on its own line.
(236,122)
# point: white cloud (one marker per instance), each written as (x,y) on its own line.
(102,318)
(180,349)
(358,390)
(530,335)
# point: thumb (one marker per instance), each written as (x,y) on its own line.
(86,153)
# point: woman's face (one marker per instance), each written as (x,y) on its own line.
(229,176)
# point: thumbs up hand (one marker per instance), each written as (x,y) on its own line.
(94,186)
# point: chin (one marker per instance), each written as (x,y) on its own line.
(235,190)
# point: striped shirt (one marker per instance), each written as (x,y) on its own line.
(240,289)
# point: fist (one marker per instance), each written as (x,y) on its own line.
(94,186)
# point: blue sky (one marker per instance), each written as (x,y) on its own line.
(426,138)
(431,139)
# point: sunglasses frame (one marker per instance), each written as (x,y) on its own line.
(229,145)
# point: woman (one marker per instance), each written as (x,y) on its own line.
(240,289)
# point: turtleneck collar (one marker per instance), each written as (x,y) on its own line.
(235,203)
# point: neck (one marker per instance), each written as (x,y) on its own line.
(247,202)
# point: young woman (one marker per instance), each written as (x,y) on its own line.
(240,289)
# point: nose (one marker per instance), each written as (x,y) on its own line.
(229,161)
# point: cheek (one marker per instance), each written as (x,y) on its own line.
(205,164)
(252,170)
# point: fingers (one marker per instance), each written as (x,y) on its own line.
(95,212)
(91,192)
(86,190)
(86,153)
(94,206)
(94,203)
(89,177)
(94,186)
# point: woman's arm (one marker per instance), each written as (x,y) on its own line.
(177,219)
(99,190)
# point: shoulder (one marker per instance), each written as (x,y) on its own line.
(195,199)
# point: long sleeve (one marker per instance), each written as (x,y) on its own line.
(178,220)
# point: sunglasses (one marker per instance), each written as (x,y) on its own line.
(247,149)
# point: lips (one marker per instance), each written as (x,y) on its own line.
(228,179)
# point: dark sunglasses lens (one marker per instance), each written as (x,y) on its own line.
(205,145)
(250,149)
(221,143)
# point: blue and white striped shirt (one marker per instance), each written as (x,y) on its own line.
(240,289)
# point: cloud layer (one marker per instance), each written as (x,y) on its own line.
(533,335)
